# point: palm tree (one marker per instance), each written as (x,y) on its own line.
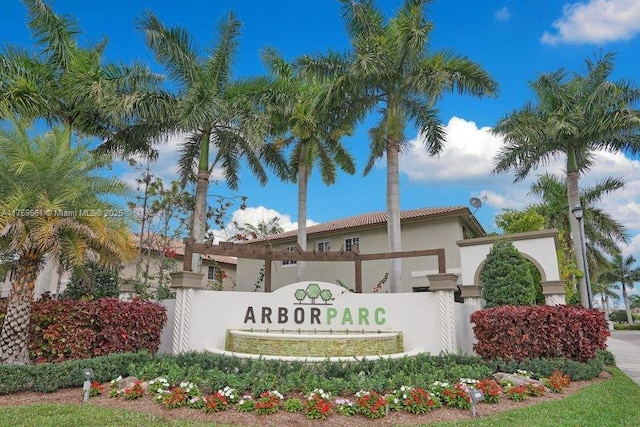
(210,108)
(606,290)
(52,207)
(623,272)
(573,117)
(313,129)
(390,67)
(67,84)
(263,228)
(602,232)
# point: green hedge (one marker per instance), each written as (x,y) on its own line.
(625,327)
(48,377)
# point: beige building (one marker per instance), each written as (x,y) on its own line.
(426,228)
(217,270)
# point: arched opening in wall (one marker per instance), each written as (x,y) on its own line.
(534,268)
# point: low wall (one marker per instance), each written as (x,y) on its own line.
(203,317)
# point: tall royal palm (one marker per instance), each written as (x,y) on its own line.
(623,271)
(573,117)
(603,233)
(67,84)
(209,107)
(312,130)
(52,205)
(391,66)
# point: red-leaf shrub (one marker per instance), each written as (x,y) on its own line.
(77,329)
(535,332)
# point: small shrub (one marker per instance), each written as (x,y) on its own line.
(506,278)
(371,404)
(216,402)
(345,407)
(268,402)
(134,392)
(517,393)
(456,396)
(293,405)
(318,405)
(491,390)
(557,382)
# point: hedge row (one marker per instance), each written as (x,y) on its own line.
(71,329)
(213,372)
(537,332)
(49,377)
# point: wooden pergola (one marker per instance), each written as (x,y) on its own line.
(269,254)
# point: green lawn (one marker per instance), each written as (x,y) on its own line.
(614,403)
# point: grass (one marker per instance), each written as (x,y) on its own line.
(614,403)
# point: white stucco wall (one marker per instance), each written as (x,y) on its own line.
(539,247)
(209,314)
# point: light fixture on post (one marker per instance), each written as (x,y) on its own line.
(578,212)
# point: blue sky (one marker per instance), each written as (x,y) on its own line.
(514,40)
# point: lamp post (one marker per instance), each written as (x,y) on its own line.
(578,212)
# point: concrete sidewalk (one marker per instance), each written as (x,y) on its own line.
(625,346)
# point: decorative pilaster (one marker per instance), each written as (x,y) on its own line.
(553,291)
(185,283)
(472,295)
(444,285)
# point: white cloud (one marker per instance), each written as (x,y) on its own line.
(165,167)
(468,154)
(502,14)
(596,22)
(254,215)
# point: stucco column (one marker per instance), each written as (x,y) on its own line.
(444,285)
(553,291)
(472,295)
(185,283)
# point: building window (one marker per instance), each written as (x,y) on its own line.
(211,273)
(351,243)
(288,262)
(324,246)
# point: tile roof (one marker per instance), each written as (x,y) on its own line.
(369,219)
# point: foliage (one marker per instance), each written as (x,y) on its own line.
(134,392)
(318,404)
(216,402)
(268,402)
(517,393)
(391,70)
(345,407)
(491,390)
(456,396)
(571,119)
(519,221)
(505,277)
(371,404)
(539,332)
(557,381)
(622,270)
(294,405)
(92,280)
(69,329)
(619,316)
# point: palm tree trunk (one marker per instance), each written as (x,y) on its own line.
(393,214)
(14,338)
(199,222)
(199,216)
(303,179)
(574,200)
(627,307)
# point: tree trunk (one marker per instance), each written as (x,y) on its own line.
(303,179)
(625,298)
(393,214)
(200,216)
(574,200)
(15,329)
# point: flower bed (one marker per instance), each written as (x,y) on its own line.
(320,405)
